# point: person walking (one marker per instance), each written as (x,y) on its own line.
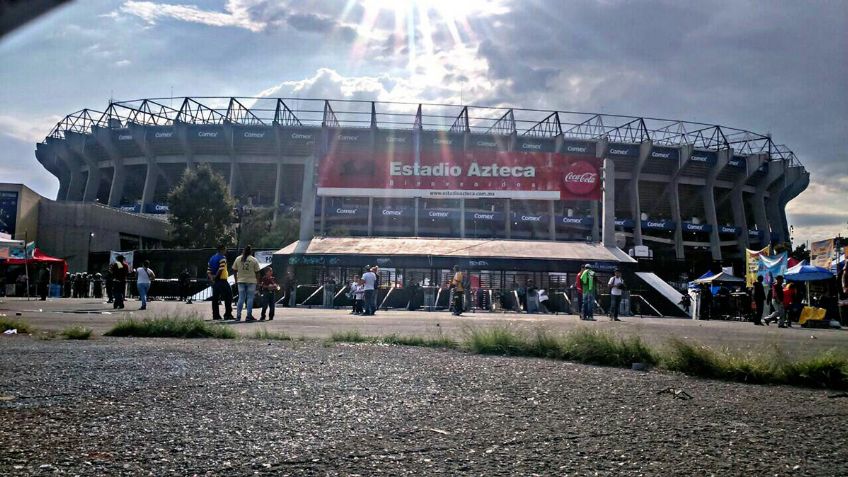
(144,277)
(43,281)
(779,313)
(616,286)
(246,272)
(369,279)
(268,291)
(119,271)
(587,278)
(578,288)
(759,295)
(457,291)
(217,272)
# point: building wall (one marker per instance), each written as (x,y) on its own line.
(26,227)
(65,230)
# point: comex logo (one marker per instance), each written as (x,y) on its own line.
(125,137)
(434,213)
(207,134)
(164,135)
(484,216)
(258,135)
(346,211)
(577,149)
(531,218)
(392,212)
(536,147)
(661,155)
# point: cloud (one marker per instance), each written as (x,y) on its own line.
(30,131)
(235,14)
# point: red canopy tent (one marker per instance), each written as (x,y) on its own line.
(38,257)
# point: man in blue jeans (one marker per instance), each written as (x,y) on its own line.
(218,275)
(144,276)
(588,281)
(246,271)
(370,279)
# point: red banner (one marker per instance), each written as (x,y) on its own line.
(442,174)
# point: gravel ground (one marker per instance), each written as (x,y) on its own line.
(183,407)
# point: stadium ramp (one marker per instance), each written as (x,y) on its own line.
(661,295)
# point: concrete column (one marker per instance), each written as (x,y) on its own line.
(415,226)
(233,173)
(674,199)
(508,218)
(76,181)
(737,207)
(708,197)
(552,219)
(798,180)
(775,171)
(64,183)
(773,212)
(182,134)
(635,206)
(307,201)
(608,198)
(92,183)
(321,226)
(370,216)
(278,192)
(119,177)
(150,180)
(462,218)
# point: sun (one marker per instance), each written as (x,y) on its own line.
(418,22)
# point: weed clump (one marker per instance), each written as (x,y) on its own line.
(76,333)
(10,324)
(171,327)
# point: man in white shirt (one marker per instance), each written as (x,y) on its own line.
(616,287)
(370,279)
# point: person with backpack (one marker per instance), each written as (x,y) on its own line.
(587,279)
(144,277)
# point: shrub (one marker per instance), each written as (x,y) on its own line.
(76,333)
(170,327)
(10,324)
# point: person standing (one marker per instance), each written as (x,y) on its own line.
(119,271)
(246,271)
(184,279)
(352,293)
(616,286)
(268,289)
(217,272)
(144,276)
(578,288)
(97,289)
(359,297)
(759,296)
(705,309)
(587,278)
(329,292)
(457,291)
(378,280)
(107,275)
(369,279)
(43,282)
(779,313)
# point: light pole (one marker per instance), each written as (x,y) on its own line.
(88,252)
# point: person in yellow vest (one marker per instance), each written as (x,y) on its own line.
(457,291)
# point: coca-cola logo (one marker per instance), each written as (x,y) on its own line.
(581,178)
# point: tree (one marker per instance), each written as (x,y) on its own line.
(259,230)
(201,209)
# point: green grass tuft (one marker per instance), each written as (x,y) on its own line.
(264,334)
(171,327)
(825,370)
(76,333)
(438,342)
(10,324)
(350,336)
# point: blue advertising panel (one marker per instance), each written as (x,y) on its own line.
(252,136)
(586,148)
(623,150)
(156,208)
(728,230)
(690,227)
(350,138)
(737,161)
(488,142)
(349,211)
(755,234)
(575,221)
(530,218)
(392,212)
(395,140)
(624,223)
(438,214)
(435,140)
(658,225)
(705,157)
(161,134)
(484,216)
(122,135)
(8,212)
(535,144)
(667,153)
(300,137)
(132,208)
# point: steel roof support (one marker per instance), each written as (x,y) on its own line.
(548,127)
(238,113)
(283,116)
(504,126)
(461,123)
(330,120)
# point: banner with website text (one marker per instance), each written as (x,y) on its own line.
(478,174)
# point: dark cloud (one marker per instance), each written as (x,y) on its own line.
(812,220)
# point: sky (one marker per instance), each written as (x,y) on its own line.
(777,67)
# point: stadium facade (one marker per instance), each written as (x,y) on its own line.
(372,169)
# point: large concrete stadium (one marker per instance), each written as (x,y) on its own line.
(681,188)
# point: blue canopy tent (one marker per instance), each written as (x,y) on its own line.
(804,272)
